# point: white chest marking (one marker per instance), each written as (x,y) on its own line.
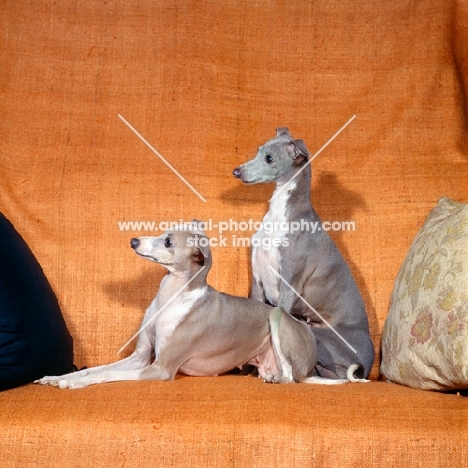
(167,319)
(264,253)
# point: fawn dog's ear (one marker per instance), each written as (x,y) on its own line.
(196,227)
(201,249)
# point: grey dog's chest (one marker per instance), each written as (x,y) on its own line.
(266,243)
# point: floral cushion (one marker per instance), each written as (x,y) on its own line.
(425,337)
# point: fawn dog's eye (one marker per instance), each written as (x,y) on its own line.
(167,242)
(269,158)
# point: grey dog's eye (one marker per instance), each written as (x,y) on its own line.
(167,242)
(269,158)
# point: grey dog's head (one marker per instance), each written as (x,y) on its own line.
(276,160)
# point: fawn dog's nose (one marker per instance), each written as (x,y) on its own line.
(134,242)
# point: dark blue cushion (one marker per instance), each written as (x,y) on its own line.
(34,339)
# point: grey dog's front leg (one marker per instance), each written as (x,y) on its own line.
(287,289)
(287,298)
(256,291)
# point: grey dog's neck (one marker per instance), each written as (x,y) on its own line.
(299,198)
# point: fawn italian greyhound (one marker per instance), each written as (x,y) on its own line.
(314,282)
(193,329)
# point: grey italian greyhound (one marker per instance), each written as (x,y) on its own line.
(314,282)
(193,329)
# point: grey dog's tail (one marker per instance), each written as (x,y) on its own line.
(350,377)
(351,373)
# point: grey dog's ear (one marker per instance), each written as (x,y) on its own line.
(300,149)
(282,131)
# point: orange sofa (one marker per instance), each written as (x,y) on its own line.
(205,83)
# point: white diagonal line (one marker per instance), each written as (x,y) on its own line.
(162,159)
(311,308)
(311,158)
(161,309)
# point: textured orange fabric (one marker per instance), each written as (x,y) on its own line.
(233,421)
(207,82)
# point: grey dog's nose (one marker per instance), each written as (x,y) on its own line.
(134,242)
(236,173)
